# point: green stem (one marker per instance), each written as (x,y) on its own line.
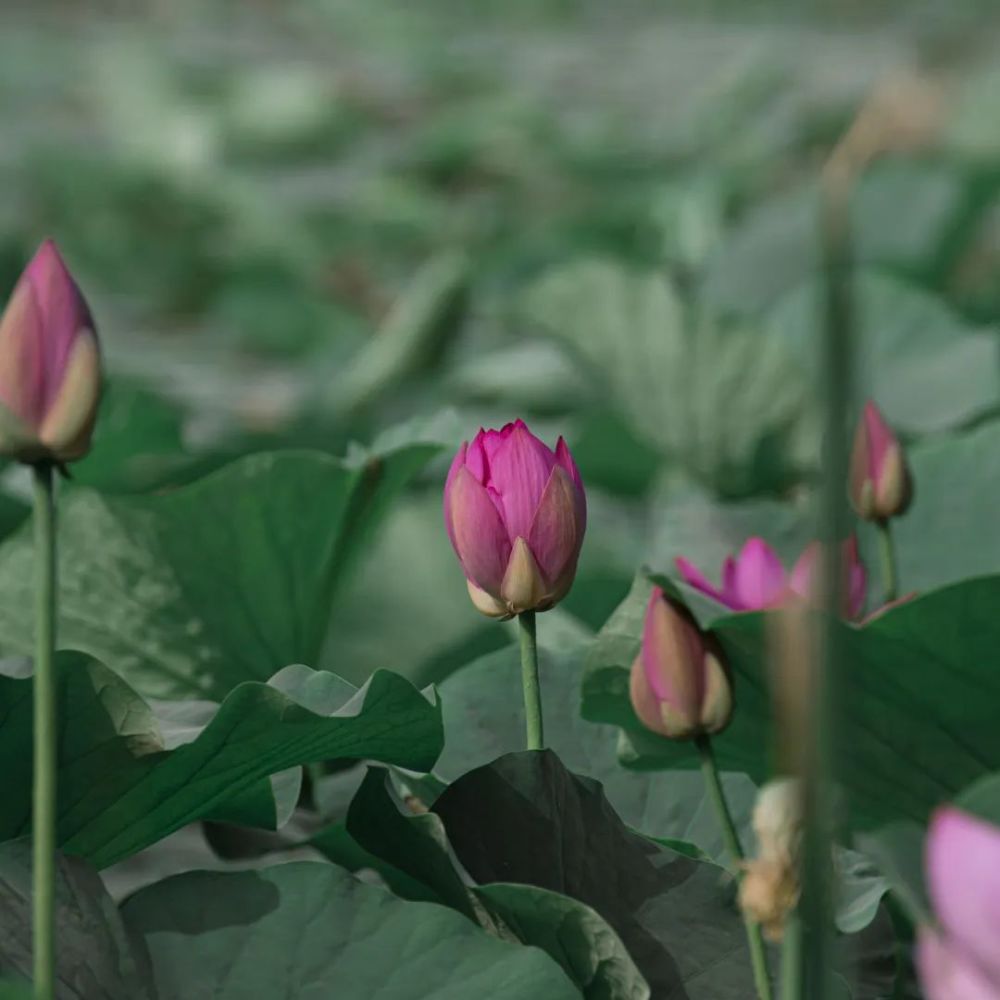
(791,959)
(887,553)
(529,679)
(713,786)
(44,803)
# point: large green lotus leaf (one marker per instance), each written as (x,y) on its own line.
(722,400)
(189,593)
(95,960)
(407,849)
(121,788)
(311,930)
(912,352)
(526,819)
(918,725)
(483,709)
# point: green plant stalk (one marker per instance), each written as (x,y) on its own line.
(791,959)
(887,555)
(44,800)
(713,786)
(529,680)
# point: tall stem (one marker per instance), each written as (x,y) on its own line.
(791,959)
(887,554)
(713,786)
(529,679)
(44,802)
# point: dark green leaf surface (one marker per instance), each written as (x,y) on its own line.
(310,931)
(905,746)
(189,593)
(526,819)
(121,789)
(95,958)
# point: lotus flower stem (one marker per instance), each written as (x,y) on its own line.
(44,803)
(713,786)
(887,552)
(529,679)
(791,959)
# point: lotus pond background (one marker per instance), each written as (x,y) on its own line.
(325,242)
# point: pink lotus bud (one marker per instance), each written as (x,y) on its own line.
(515,512)
(678,685)
(880,486)
(50,365)
(960,959)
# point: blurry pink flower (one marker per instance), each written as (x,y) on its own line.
(960,959)
(757,579)
(515,512)
(678,685)
(880,482)
(50,365)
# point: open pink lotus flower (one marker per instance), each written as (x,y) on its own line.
(515,512)
(757,579)
(960,959)
(50,365)
(678,685)
(880,483)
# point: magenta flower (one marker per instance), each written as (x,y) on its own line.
(757,579)
(515,512)
(678,685)
(50,365)
(960,959)
(880,483)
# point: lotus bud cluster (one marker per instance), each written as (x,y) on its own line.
(516,513)
(50,365)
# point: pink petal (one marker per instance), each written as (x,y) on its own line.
(947,974)
(963,874)
(22,363)
(458,462)
(803,578)
(672,656)
(694,577)
(730,595)
(856,577)
(520,468)
(880,439)
(556,530)
(565,459)
(759,577)
(478,535)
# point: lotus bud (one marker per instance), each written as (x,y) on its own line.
(515,512)
(50,365)
(679,686)
(880,483)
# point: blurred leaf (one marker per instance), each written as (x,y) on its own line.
(948,533)
(229,935)
(229,579)
(412,337)
(679,924)
(121,789)
(94,957)
(904,748)
(898,851)
(722,400)
(927,369)
(982,798)
(901,214)
(138,441)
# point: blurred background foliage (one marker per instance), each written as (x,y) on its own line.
(300,224)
